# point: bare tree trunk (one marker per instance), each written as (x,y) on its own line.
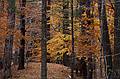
(9,39)
(73,53)
(22,30)
(48,18)
(117,40)
(65,17)
(44,40)
(105,38)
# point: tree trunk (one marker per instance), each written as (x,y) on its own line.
(48,19)
(22,30)
(44,40)
(65,17)
(9,39)
(105,37)
(73,53)
(117,40)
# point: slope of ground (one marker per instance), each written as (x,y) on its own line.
(55,71)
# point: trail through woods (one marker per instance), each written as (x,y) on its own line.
(55,71)
(32,71)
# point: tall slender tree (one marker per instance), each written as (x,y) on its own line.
(117,40)
(101,50)
(9,39)
(22,30)
(65,16)
(105,37)
(73,53)
(44,40)
(48,19)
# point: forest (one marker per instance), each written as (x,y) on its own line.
(59,39)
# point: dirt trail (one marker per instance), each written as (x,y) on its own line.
(32,71)
(55,71)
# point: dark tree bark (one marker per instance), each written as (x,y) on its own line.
(48,19)
(22,30)
(73,53)
(66,17)
(44,40)
(105,37)
(117,40)
(9,39)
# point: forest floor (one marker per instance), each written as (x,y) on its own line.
(32,71)
(55,71)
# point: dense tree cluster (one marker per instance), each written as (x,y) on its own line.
(46,29)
